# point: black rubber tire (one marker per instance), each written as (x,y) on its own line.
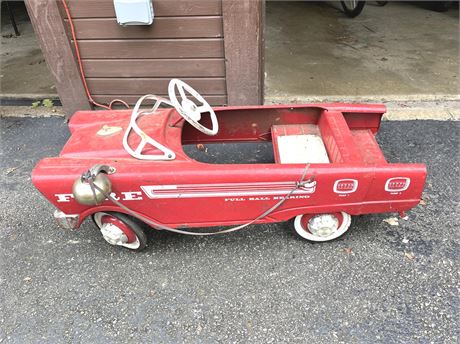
(353,12)
(135,225)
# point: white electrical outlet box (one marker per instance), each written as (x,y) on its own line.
(134,12)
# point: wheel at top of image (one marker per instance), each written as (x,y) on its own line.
(352,8)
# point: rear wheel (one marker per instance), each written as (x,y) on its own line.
(352,8)
(322,227)
(121,230)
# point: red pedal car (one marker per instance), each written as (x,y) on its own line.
(128,168)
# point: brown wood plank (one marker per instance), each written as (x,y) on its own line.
(166,27)
(124,68)
(51,35)
(214,86)
(243,32)
(155,48)
(132,99)
(104,8)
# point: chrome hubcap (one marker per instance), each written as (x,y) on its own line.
(113,235)
(115,232)
(323,225)
(351,4)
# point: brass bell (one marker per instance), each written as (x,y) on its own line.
(85,194)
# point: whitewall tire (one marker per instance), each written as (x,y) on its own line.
(322,227)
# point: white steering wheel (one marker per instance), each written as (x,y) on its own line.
(188,109)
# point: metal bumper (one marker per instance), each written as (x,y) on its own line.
(66,221)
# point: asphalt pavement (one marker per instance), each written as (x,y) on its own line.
(377,284)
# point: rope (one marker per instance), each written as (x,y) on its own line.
(161,226)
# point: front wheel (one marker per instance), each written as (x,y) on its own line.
(352,8)
(322,227)
(121,230)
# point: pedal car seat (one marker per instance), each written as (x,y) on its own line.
(298,144)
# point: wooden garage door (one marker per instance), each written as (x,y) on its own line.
(185,41)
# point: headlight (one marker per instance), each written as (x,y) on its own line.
(66,221)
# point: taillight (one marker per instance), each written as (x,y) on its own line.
(397,184)
(345,186)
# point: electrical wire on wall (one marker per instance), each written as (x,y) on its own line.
(80,65)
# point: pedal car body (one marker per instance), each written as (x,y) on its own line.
(347,172)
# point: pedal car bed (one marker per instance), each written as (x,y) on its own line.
(128,168)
